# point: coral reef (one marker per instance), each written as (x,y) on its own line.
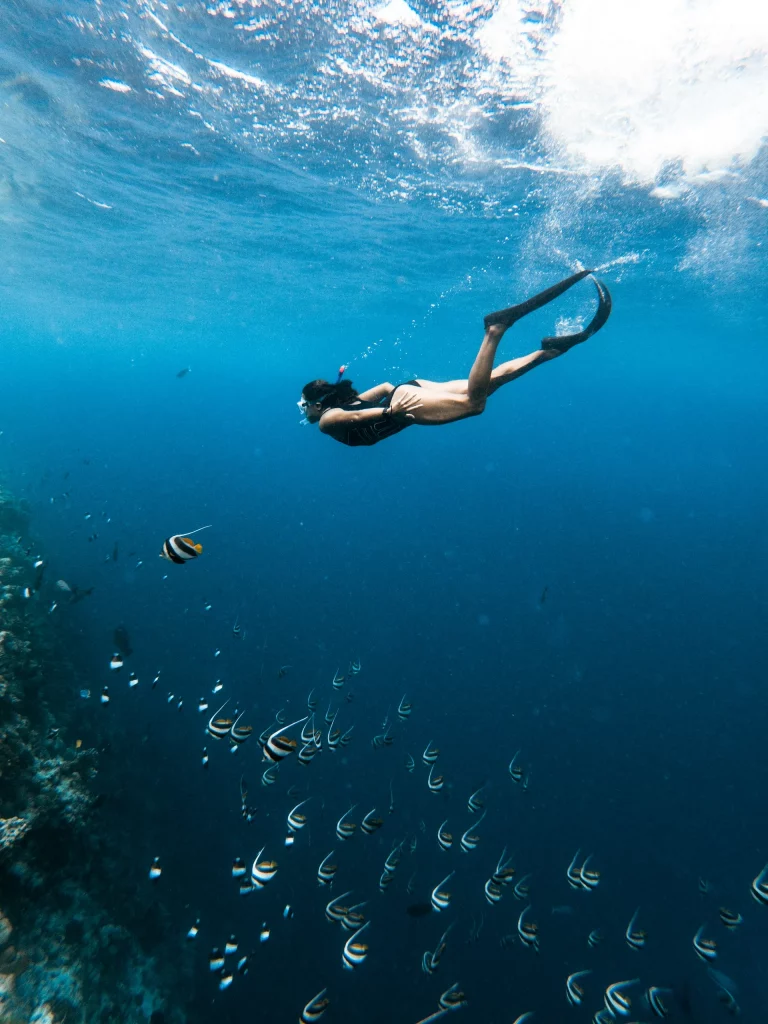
(64,954)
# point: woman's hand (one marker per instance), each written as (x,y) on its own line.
(404,404)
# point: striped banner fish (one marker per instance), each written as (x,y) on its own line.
(180,549)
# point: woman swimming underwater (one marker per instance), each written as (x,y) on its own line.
(371,416)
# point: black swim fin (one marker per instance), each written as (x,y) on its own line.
(567,341)
(508,316)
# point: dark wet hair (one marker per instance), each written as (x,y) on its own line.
(329,395)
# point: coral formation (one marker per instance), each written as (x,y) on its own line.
(64,955)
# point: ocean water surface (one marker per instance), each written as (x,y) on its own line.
(258,193)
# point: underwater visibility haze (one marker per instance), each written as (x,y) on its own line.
(522,654)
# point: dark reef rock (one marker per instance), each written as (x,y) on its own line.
(64,954)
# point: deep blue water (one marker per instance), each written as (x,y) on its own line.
(387,186)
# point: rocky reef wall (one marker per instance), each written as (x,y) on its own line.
(66,952)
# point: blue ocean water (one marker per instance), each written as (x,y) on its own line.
(260,192)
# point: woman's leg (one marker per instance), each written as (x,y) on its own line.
(501,375)
(446,406)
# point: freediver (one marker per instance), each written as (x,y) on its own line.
(368,417)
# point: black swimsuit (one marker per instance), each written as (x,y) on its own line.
(366,434)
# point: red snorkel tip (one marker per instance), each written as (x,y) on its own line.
(342,370)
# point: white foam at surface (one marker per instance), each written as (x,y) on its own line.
(639,86)
(397,12)
(110,83)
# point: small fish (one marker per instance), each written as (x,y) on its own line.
(116,662)
(430,754)
(237,630)
(410,764)
(390,864)
(230,946)
(242,965)
(326,871)
(452,998)
(504,872)
(726,991)
(635,937)
(338,680)
(573,873)
(522,889)
(335,909)
(269,775)
(705,949)
(105,695)
(492,891)
(315,1008)
(469,842)
(238,868)
(63,585)
(155,870)
(282,671)
(594,938)
(436,782)
(239,733)
(759,887)
(369,824)
(444,839)
(354,952)
(262,871)
(264,933)
(171,698)
(183,372)
(528,931)
(133,680)
(218,686)
(404,708)
(524,1018)
(312,701)
(355,667)
(590,878)
(346,829)
(654,995)
(216,960)
(202,704)
(573,990)
(278,745)
(296,820)
(156,680)
(616,1002)
(384,739)
(516,771)
(440,899)
(346,737)
(730,918)
(307,752)
(287,912)
(353,918)
(704,886)
(410,884)
(217,727)
(204,759)
(180,549)
(330,714)
(226,979)
(192,933)
(475,804)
